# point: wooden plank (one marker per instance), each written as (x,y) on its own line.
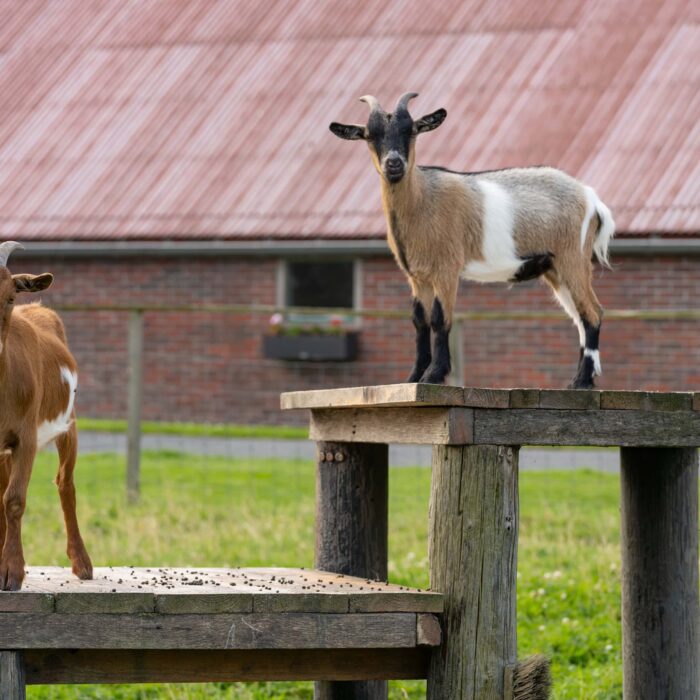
(404,601)
(486,398)
(382,395)
(524,398)
(599,428)
(555,398)
(646,400)
(422,426)
(12,677)
(48,666)
(660,606)
(473,561)
(21,601)
(235,631)
(696,401)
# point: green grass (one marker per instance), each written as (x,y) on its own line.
(274,432)
(230,512)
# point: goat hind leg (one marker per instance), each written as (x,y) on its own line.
(67,445)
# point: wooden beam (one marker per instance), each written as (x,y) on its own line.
(660,607)
(424,426)
(473,562)
(49,666)
(352,503)
(12,677)
(601,428)
(235,631)
(381,395)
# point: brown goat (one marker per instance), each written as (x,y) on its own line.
(38,381)
(506,225)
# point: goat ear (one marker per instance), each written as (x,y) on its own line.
(430,121)
(351,132)
(32,283)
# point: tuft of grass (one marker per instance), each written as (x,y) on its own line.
(213,511)
(273,432)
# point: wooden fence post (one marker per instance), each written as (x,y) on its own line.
(456,376)
(352,531)
(135,398)
(12,682)
(473,563)
(660,610)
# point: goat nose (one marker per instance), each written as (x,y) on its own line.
(394,163)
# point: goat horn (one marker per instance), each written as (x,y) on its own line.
(6,250)
(373,103)
(403,100)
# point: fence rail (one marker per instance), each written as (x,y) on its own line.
(136,344)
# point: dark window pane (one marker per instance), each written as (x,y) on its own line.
(320,284)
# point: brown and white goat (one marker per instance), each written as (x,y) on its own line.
(38,381)
(494,226)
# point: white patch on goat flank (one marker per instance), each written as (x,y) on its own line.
(564,297)
(595,355)
(500,262)
(49,430)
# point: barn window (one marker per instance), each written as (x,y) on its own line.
(319,283)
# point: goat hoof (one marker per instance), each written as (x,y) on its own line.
(12,578)
(433,376)
(582,384)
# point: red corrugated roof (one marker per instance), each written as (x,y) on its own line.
(209,119)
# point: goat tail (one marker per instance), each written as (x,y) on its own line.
(604,234)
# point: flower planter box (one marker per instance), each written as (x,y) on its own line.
(307,347)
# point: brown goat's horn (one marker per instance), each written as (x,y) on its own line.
(403,101)
(373,103)
(6,249)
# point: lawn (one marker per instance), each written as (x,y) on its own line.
(231,512)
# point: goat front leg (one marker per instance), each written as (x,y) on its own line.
(4,476)
(14,501)
(445,291)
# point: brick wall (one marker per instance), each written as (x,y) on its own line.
(208,367)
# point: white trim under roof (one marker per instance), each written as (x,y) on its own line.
(654,245)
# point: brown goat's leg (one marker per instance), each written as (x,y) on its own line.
(4,478)
(14,501)
(67,445)
(440,324)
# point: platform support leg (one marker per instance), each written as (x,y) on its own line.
(12,683)
(352,531)
(660,611)
(473,563)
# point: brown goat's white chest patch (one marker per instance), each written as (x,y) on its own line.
(49,430)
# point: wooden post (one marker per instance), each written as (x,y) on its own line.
(133,465)
(660,610)
(12,685)
(473,563)
(352,531)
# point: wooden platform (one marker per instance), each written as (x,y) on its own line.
(460,416)
(133,624)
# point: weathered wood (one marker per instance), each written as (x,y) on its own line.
(197,666)
(524,398)
(473,562)
(576,400)
(423,426)
(234,631)
(381,395)
(486,398)
(135,400)
(430,395)
(352,504)
(660,609)
(604,428)
(12,680)
(646,400)
(211,591)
